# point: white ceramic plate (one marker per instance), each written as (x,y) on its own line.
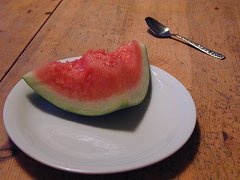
(122,141)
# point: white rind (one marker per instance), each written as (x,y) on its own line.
(92,108)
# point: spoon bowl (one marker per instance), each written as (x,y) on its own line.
(158,28)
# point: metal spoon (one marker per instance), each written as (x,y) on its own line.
(162,31)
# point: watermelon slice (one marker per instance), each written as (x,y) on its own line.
(98,83)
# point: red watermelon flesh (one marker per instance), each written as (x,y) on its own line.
(98,83)
(96,75)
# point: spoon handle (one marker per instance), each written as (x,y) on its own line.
(201,48)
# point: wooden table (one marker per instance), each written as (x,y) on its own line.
(35,32)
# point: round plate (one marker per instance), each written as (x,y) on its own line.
(124,140)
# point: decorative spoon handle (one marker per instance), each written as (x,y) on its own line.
(201,48)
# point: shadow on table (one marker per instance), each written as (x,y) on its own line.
(125,119)
(166,169)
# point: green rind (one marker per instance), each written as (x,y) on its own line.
(131,98)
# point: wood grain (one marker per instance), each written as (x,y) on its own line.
(20,21)
(213,151)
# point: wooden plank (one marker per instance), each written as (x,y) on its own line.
(213,151)
(20,21)
(216,87)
